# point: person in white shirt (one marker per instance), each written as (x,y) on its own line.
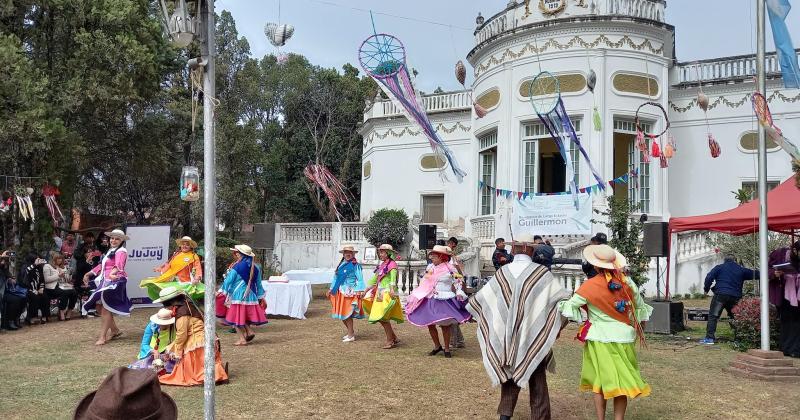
(58,285)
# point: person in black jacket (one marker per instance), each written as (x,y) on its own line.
(31,277)
(13,296)
(588,269)
(500,256)
(543,252)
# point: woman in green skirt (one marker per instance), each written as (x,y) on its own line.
(616,312)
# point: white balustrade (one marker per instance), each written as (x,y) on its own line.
(353,232)
(643,9)
(438,102)
(738,67)
(305,232)
(483,228)
(693,244)
(569,278)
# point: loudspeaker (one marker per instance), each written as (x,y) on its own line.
(427,236)
(264,236)
(667,318)
(656,238)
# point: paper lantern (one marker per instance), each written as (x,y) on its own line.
(190,183)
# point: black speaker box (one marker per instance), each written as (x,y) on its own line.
(656,239)
(667,318)
(427,236)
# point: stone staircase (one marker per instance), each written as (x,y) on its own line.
(765,365)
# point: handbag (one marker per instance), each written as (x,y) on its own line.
(17,290)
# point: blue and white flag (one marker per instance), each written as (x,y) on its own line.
(778,10)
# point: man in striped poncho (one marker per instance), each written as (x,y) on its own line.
(518,323)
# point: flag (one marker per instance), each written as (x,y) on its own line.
(778,10)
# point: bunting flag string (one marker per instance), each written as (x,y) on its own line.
(520,195)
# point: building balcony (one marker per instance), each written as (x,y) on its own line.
(726,70)
(456,101)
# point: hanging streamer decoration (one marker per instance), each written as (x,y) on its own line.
(761,109)
(461,77)
(24,203)
(336,192)
(50,192)
(383,57)
(278,34)
(702,101)
(545,94)
(520,195)
(649,144)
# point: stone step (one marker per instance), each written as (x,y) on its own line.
(766,354)
(758,361)
(767,370)
(753,375)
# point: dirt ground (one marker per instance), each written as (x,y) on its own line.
(300,369)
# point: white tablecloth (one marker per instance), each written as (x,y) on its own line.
(288,299)
(311,275)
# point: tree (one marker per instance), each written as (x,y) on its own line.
(625,233)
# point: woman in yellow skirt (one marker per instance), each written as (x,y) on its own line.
(347,288)
(380,300)
(616,310)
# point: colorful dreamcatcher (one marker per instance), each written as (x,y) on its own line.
(383,57)
(278,34)
(545,96)
(24,203)
(761,109)
(336,192)
(461,76)
(50,193)
(650,144)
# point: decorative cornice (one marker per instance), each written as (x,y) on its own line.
(530,48)
(722,100)
(414,133)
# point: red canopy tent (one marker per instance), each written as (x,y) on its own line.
(783,215)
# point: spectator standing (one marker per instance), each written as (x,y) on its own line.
(544,252)
(456,337)
(727,279)
(58,285)
(500,256)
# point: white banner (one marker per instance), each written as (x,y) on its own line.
(148,248)
(553,215)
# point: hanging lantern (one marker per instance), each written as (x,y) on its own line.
(702,101)
(713,146)
(591,81)
(480,111)
(278,34)
(656,151)
(190,183)
(461,72)
(181,26)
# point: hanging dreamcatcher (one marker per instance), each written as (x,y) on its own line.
(383,57)
(591,83)
(24,203)
(331,187)
(703,103)
(50,192)
(761,109)
(650,144)
(278,34)
(545,96)
(461,76)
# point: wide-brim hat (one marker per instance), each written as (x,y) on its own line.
(163,317)
(603,256)
(525,238)
(244,250)
(117,233)
(128,394)
(187,240)
(348,248)
(388,248)
(441,249)
(168,293)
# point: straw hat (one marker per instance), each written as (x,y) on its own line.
(117,233)
(168,293)
(162,317)
(128,394)
(603,256)
(389,249)
(348,248)
(441,249)
(525,238)
(244,250)
(188,240)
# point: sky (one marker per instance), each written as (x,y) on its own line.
(329,32)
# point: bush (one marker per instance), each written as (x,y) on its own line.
(687,296)
(746,325)
(387,226)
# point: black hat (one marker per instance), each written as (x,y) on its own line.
(600,238)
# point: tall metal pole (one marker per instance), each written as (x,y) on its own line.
(209,207)
(762,179)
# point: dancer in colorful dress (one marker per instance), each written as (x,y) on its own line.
(110,298)
(616,311)
(240,301)
(438,300)
(158,335)
(346,291)
(183,270)
(381,301)
(188,349)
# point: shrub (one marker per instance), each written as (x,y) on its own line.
(687,296)
(746,324)
(387,226)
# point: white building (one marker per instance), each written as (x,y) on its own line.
(630,47)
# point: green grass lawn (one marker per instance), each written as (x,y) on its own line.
(301,369)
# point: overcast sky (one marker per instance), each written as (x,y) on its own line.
(329,32)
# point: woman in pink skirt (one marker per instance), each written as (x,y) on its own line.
(240,301)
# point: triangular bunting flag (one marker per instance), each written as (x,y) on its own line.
(519,195)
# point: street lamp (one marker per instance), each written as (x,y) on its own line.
(182,27)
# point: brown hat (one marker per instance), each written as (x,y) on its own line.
(127,394)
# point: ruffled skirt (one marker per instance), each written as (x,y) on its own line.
(189,371)
(147,363)
(238,314)
(388,309)
(439,312)
(112,295)
(195,291)
(344,307)
(613,370)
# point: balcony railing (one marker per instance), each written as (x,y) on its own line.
(440,102)
(723,69)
